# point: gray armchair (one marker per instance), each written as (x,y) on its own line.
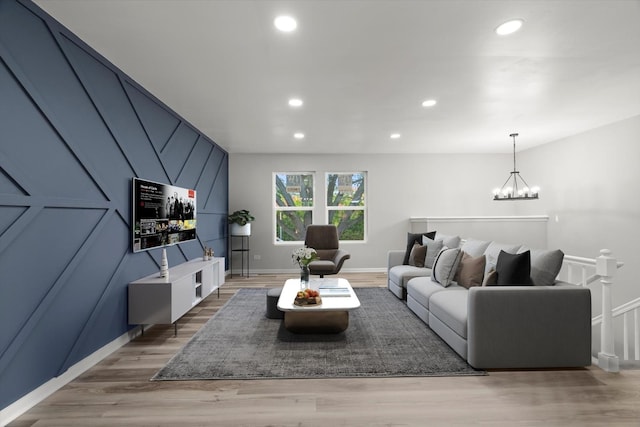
(324,239)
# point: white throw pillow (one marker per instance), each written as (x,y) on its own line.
(446,265)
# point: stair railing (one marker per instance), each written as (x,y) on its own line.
(605,268)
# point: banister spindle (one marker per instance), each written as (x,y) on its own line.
(625,337)
(636,316)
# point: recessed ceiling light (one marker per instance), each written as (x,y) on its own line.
(429,103)
(295,102)
(285,23)
(394,136)
(298,135)
(509,27)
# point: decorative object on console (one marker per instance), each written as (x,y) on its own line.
(164,265)
(515,187)
(240,222)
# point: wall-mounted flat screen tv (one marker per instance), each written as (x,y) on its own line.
(162,215)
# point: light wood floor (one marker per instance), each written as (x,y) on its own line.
(117,391)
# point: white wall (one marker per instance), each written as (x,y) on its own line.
(589,181)
(399,187)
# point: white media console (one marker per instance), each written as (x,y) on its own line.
(163,300)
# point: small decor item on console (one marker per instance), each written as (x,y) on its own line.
(164,265)
(307,297)
(208,254)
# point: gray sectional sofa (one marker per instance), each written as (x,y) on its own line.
(541,323)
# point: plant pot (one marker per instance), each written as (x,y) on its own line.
(240,230)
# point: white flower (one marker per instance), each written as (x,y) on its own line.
(303,256)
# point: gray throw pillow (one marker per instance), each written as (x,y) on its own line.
(433,249)
(545,266)
(446,265)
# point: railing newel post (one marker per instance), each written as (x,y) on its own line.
(606,267)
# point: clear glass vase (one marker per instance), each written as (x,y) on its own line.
(304,276)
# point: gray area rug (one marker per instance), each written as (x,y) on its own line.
(384,339)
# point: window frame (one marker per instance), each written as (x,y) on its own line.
(362,208)
(277,209)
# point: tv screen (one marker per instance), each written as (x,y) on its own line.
(162,214)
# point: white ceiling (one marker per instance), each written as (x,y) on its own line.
(363,69)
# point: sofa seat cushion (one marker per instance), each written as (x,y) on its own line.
(322,266)
(421,289)
(450,308)
(401,274)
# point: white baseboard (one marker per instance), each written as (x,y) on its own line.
(31,399)
(296,271)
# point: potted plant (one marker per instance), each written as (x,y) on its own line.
(240,223)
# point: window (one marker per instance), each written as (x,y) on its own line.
(346,207)
(294,203)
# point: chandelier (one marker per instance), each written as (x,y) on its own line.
(515,187)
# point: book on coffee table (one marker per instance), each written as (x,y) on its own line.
(334,292)
(330,283)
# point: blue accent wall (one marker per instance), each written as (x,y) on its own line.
(74,130)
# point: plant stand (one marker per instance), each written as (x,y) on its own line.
(243,250)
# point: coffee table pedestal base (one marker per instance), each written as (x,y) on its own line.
(316,322)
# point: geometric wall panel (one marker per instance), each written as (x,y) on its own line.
(74,131)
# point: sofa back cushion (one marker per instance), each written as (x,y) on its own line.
(475,247)
(448,241)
